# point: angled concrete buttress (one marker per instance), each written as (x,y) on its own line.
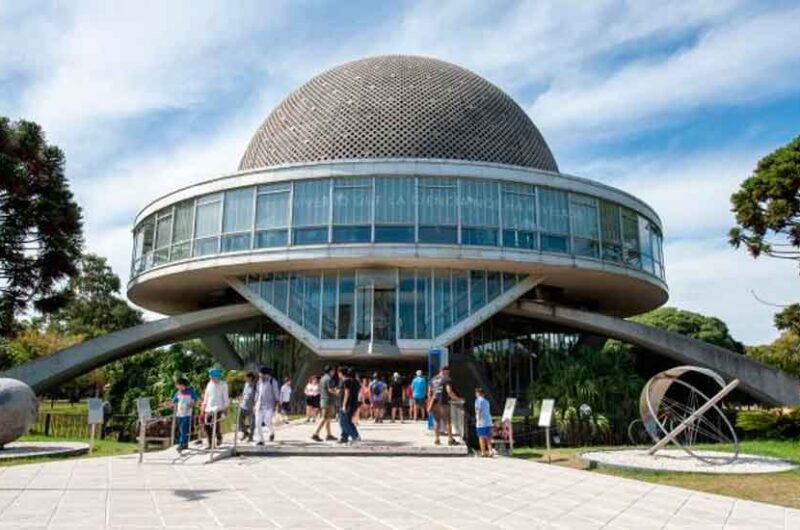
(765,383)
(69,363)
(223,351)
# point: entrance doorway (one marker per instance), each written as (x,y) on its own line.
(376,305)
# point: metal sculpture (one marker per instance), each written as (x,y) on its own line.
(674,411)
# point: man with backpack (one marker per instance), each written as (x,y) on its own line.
(267,398)
(377,390)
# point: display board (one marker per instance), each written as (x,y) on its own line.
(143,408)
(95,406)
(546,415)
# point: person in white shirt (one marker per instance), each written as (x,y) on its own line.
(286,399)
(215,404)
(267,398)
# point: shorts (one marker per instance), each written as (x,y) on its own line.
(312,401)
(420,402)
(285,407)
(484,432)
(328,410)
(441,412)
(377,402)
(397,403)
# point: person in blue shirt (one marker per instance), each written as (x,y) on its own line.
(184,399)
(419,390)
(483,422)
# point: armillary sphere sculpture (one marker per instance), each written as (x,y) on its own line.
(674,411)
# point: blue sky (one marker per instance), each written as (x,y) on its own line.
(671,101)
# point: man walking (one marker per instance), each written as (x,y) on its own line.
(327,394)
(267,398)
(350,389)
(247,420)
(215,402)
(419,390)
(440,394)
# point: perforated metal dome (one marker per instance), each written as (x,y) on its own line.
(398,107)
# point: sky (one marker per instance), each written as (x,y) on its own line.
(674,102)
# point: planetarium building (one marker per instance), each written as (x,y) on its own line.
(396,204)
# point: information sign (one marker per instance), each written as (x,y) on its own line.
(546,415)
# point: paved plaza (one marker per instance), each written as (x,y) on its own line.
(354,492)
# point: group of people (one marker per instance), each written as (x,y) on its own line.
(339,394)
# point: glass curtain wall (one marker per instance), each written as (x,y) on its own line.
(438,210)
(480,202)
(432,210)
(402,303)
(272,215)
(311,212)
(395,209)
(519,215)
(352,210)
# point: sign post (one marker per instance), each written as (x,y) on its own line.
(143,409)
(545,419)
(95,417)
(506,422)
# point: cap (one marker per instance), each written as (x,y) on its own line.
(214,372)
(419,372)
(264,370)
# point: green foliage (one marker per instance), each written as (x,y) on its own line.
(767,207)
(788,319)
(153,374)
(41,230)
(605,380)
(708,329)
(770,423)
(94,307)
(783,353)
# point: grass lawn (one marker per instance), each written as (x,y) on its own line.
(773,488)
(101,448)
(63,407)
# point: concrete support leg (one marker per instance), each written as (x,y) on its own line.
(223,351)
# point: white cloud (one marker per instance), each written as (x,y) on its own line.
(748,58)
(710,277)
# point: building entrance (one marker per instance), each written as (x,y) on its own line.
(376,306)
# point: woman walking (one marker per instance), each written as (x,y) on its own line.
(311,392)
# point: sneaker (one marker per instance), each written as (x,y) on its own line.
(271,437)
(260,443)
(437,442)
(452,441)
(330,438)
(342,442)
(316,438)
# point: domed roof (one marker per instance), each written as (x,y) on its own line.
(398,107)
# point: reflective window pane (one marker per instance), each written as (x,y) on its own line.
(630,238)
(552,243)
(281,291)
(182,231)
(236,242)
(395,200)
(272,238)
(519,239)
(424,315)
(479,236)
(312,302)
(207,216)
(438,201)
(493,285)
(438,234)
(519,206)
(347,286)
(310,236)
(460,295)
(407,304)
(584,216)
(272,206)
(329,285)
(206,246)
(296,293)
(311,203)
(554,206)
(163,230)
(351,234)
(352,201)
(442,301)
(238,212)
(479,203)
(394,234)
(477,286)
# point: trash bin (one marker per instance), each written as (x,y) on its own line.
(457,417)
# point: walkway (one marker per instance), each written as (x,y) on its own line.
(390,439)
(353,492)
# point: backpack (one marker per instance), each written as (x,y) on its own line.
(376,388)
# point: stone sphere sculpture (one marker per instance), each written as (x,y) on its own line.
(18,409)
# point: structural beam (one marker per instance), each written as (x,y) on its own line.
(71,362)
(765,383)
(223,351)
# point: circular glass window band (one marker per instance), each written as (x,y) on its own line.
(427,210)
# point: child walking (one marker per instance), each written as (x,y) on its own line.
(483,422)
(184,399)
